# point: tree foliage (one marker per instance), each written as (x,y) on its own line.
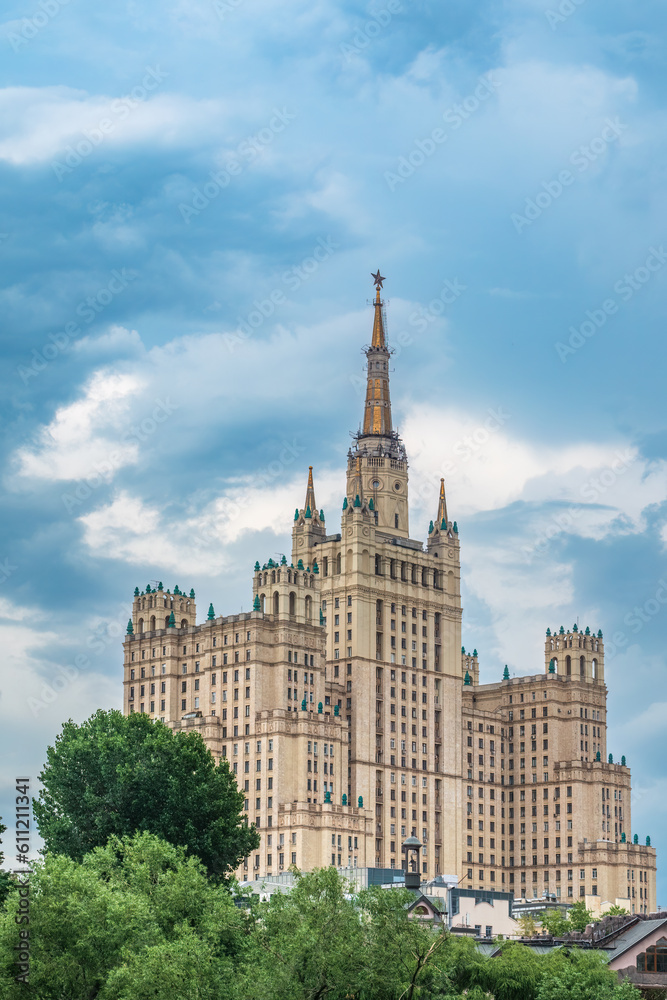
(578,916)
(616,911)
(116,775)
(95,925)
(555,922)
(138,919)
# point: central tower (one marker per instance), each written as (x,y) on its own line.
(377,467)
(391,610)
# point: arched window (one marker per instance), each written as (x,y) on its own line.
(165,602)
(404,572)
(276,603)
(325,566)
(424,577)
(338,563)
(273,576)
(141,625)
(292,603)
(396,520)
(568,666)
(262,598)
(436,579)
(309,607)
(582,666)
(152,623)
(143,603)
(555,664)
(184,623)
(378,565)
(595,669)
(166,623)
(414,573)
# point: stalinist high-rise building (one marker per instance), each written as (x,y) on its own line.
(353,718)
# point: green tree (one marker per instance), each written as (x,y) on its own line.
(134,906)
(554,922)
(308,943)
(401,950)
(582,975)
(578,916)
(616,911)
(116,774)
(527,924)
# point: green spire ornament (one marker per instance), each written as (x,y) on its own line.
(548,631)
(136,591)
(344,503)
(623,763)
(130,627)
(255,603)
(635,839)
(316,568)
(172,621)
(192,593)
(321,617)
(320,708)
(371,505)
(303,705)
(474,653)
(648,841)
(327,797)
(308,513)
(321,515)
(431,529)
(159,586)
(357,501)
(360,802)
(299,565)
(611,758)
(336,710)
(344,799)
(506,673)
(283,561)
(598,757)
(623,837)
(211,612)
(467,680)
(552,665)
(455,528)
(296,514)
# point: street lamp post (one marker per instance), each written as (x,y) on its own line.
(412,846)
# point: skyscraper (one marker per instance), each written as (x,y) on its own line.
(353,718)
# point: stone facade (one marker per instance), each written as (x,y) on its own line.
(353,718)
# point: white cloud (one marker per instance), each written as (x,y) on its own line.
(39,123)
(78,442)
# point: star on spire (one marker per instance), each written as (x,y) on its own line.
(377,278)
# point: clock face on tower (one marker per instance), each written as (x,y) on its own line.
(376,484)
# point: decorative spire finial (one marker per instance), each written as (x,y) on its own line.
(310,503)
(441,520)
(377,279)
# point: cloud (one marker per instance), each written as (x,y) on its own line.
(40,123)
(85,438)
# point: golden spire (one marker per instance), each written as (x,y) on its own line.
(377,411)
(310,504)
(378,326)
(442,508)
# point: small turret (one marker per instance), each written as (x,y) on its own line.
(211,613)
(506,673)
(440,531)
(130,627)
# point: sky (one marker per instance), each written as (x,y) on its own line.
(193,194)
